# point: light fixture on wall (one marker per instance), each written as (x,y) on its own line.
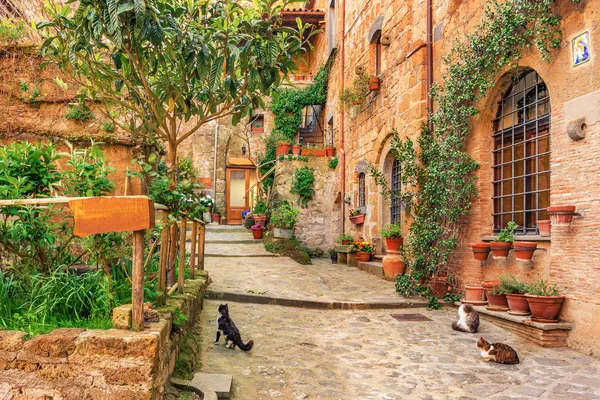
(244,150)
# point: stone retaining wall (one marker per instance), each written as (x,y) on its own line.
(98,364)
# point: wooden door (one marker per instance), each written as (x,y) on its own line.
(236,196)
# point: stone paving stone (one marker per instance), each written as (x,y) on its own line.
(239,249)
(219,383)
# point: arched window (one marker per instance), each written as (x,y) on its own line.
(375,44)
(362,197)
(378,55)
(396,204)
(522,154)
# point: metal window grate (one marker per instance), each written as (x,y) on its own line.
(521,154)
(362,198)
(410,317)
(396,186)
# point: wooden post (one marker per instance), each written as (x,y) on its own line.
(172,255)
(164,256)
(193,251)
(182,237)
(137,282)
(201,242)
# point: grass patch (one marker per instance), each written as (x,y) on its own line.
(188,360)
(287,247)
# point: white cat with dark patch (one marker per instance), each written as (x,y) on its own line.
(468,319)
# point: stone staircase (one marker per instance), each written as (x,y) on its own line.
(233,241)
(373,267)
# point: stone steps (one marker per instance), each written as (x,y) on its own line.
(374,267)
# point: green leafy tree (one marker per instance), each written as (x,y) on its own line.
(163,69)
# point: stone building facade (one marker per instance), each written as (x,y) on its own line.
(568,98)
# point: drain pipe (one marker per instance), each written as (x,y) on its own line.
(429,65)
(214,185)
(342,151)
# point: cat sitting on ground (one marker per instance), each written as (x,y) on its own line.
(498,352)
(232,334)
(468,319)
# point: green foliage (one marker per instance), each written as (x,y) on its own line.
(451,297)
(285,216)
(432,303)
(302,184)
(260,207)
(79,112)
(509,284)
(345,236)
(333,162)
(23,86)
(392,231)
(507,234)
(88,173)
(438,178)
(541,288)
(355,94)
(108,126)
(11,30)
(287,247)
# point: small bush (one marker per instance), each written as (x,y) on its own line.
(79,112)
(333,162)
(108,126)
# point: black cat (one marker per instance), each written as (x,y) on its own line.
(230,331)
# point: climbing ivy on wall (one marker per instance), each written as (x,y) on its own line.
(302,184)
(438,179)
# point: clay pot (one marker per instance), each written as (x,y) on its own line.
(393,265)
(517,303)
(363,256)
(475,293)
(330,151)
(373,83)
(490,284)
(346,242)
(258,233)
(257,129)
(524,250)
(296,149)
(497,302)
(260,219)
(215,217)
(544,227)
(438,286)
(283,148)
(561,215)
(393,245)
(481,251)
(358,219)
(545,308)
(500,250)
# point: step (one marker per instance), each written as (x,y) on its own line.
(372,267)
(225,228)
(220,383)
(230,249)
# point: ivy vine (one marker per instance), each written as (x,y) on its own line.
(302,184)
(438,179)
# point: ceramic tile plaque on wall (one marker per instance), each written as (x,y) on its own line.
(581,49)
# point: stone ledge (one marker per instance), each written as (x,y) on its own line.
(371,267)
(525,238)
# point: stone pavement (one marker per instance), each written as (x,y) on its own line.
(366,354)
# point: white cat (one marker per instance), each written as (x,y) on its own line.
(468,319)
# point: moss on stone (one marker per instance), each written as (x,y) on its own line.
(287,247)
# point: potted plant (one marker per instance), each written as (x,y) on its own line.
(259,212)
(330,151)
(345,239)
(257,231)
(296,149)
(355,94)
(393,237)
(496,298)
(438,285)
(515,295)
(333,255)
(284,219)
(363,250)
(503,241)
(561,215)
(374,83)
(356,216)
(543,227)
(475,295)
(481,250)
(544,301)
(524,250)
(248,220)
(215,215)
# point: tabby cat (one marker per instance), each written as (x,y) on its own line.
(226,326)
(498,352)
(468,319)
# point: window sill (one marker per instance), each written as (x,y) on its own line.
(523,238)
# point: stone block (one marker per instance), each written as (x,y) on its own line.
(124,375)
(36,394)
(118,343)
(52,348)
(117,393)
(12,340)
(121,317)
(220,383)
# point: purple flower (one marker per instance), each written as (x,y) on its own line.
(257,227)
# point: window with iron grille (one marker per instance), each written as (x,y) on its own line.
(396,204)
(522,155)
(362,198)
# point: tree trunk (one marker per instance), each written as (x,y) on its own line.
(172,164)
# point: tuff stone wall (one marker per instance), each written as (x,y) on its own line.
(97,364)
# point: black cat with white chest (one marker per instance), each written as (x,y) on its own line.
(232,334)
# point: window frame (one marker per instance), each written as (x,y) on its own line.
(396,187)
(362,190)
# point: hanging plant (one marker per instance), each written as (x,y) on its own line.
(355,94)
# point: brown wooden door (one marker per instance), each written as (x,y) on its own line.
(236,196)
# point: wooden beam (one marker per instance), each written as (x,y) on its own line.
(194,248)
(137,282)
(64,200)
(164,256)
(182,234)
(201,245)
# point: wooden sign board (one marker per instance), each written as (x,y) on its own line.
(112,214)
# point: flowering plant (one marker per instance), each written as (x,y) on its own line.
(257,227)
(207,201)
(363,247)
(245,213)
(354,212)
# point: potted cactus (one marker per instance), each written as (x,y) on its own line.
(545,301)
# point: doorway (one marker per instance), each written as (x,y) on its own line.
(237,194)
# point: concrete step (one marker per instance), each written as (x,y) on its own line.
(225,228)
(232,249)
(372,267)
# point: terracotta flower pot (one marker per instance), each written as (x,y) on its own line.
(497,302)
(393,245)
(363,256)
(475,294)
(283,148)
(524,250)
(438,286)
(481,251)
(490,284)
(330,151)
(545,308)
(393,265)
(257,129)
(215,217)
(357,219)
(296,149)
(500,250)
(544,227)
(561,215)
(346,242)
(257,233)
(260,219)
(373,83)
(517,304)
